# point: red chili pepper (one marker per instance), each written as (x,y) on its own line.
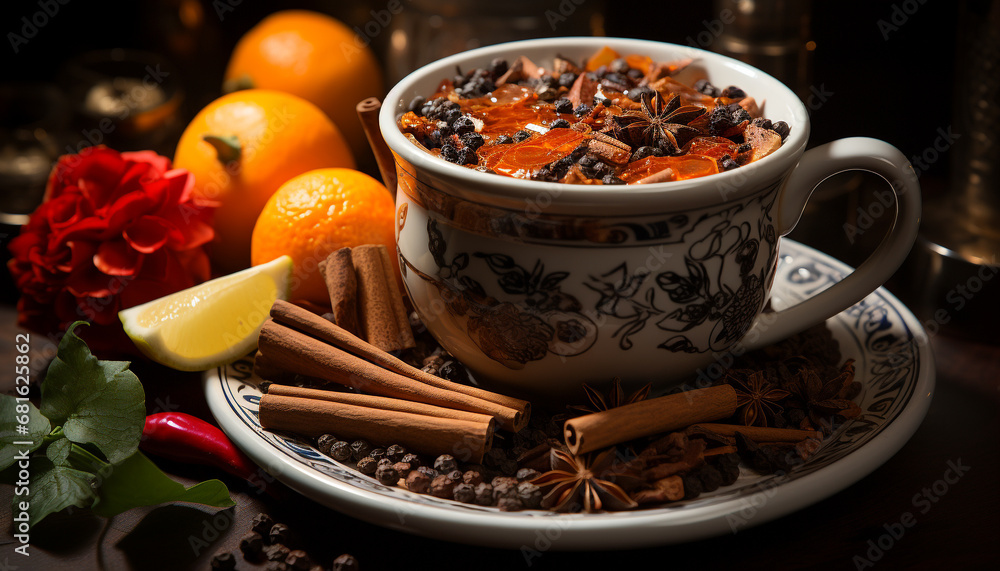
(189,439)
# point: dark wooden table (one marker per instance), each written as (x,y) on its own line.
(959,529)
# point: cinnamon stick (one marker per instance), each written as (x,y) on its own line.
(756,433)
(664,414)
(314,325)
(267,370)
(383,317)
(299,353)
(368,111)
(342,283)
(374,401)
(464,439)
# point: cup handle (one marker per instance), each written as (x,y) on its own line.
(816,165)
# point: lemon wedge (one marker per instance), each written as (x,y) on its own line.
(210,324)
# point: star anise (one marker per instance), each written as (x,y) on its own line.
(756,398)
(822,399)
(664,124)
(616,398)
(574,484)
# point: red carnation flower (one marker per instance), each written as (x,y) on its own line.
(115,230)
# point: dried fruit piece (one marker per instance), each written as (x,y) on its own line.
(762,141)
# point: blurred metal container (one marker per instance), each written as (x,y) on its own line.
(771,35)
(954,270)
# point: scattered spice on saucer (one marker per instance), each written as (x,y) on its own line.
(768,414)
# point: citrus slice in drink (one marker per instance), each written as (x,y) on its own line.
(209,324)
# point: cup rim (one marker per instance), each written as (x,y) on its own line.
(508,192)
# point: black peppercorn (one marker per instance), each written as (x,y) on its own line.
(418,482)
(762,123)
(280,534)
(276,552)
(223,561)
(324,442)
(484,494)
(564,105)
(464,493)
(445,463)
(252,546)
(522,135)
(430,472)
(510,504)
(472,140)
(619,65)
(412,460)
(710,478)
(527,474)
(567,79)
(395,453)
(703,86)
(582,109)
(449,153)
(360,449)
(377,453)
(340,451)
(692,486)
(559,124)
(261,523)
(346,562)
(781,128)
(387,475)
(498,67)
(402,468)
(530,495)
(367,465)
(503,140)
(467,156)
(463,124)
(453,370)
(442,487)
(734,92)
(636,93)
(452,115)
(299,559)
(504,487)
(472,477)
(727,163)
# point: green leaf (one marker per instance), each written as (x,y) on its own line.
(138,482)
(54,488)
(100,402)
(37,427)
(58,452)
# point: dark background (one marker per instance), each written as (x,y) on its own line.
(899,90)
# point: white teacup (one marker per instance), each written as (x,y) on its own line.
(538,287)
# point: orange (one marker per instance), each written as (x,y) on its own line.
(319,212)
(315,57)
(256,140)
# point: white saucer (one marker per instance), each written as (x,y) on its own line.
(893,361)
